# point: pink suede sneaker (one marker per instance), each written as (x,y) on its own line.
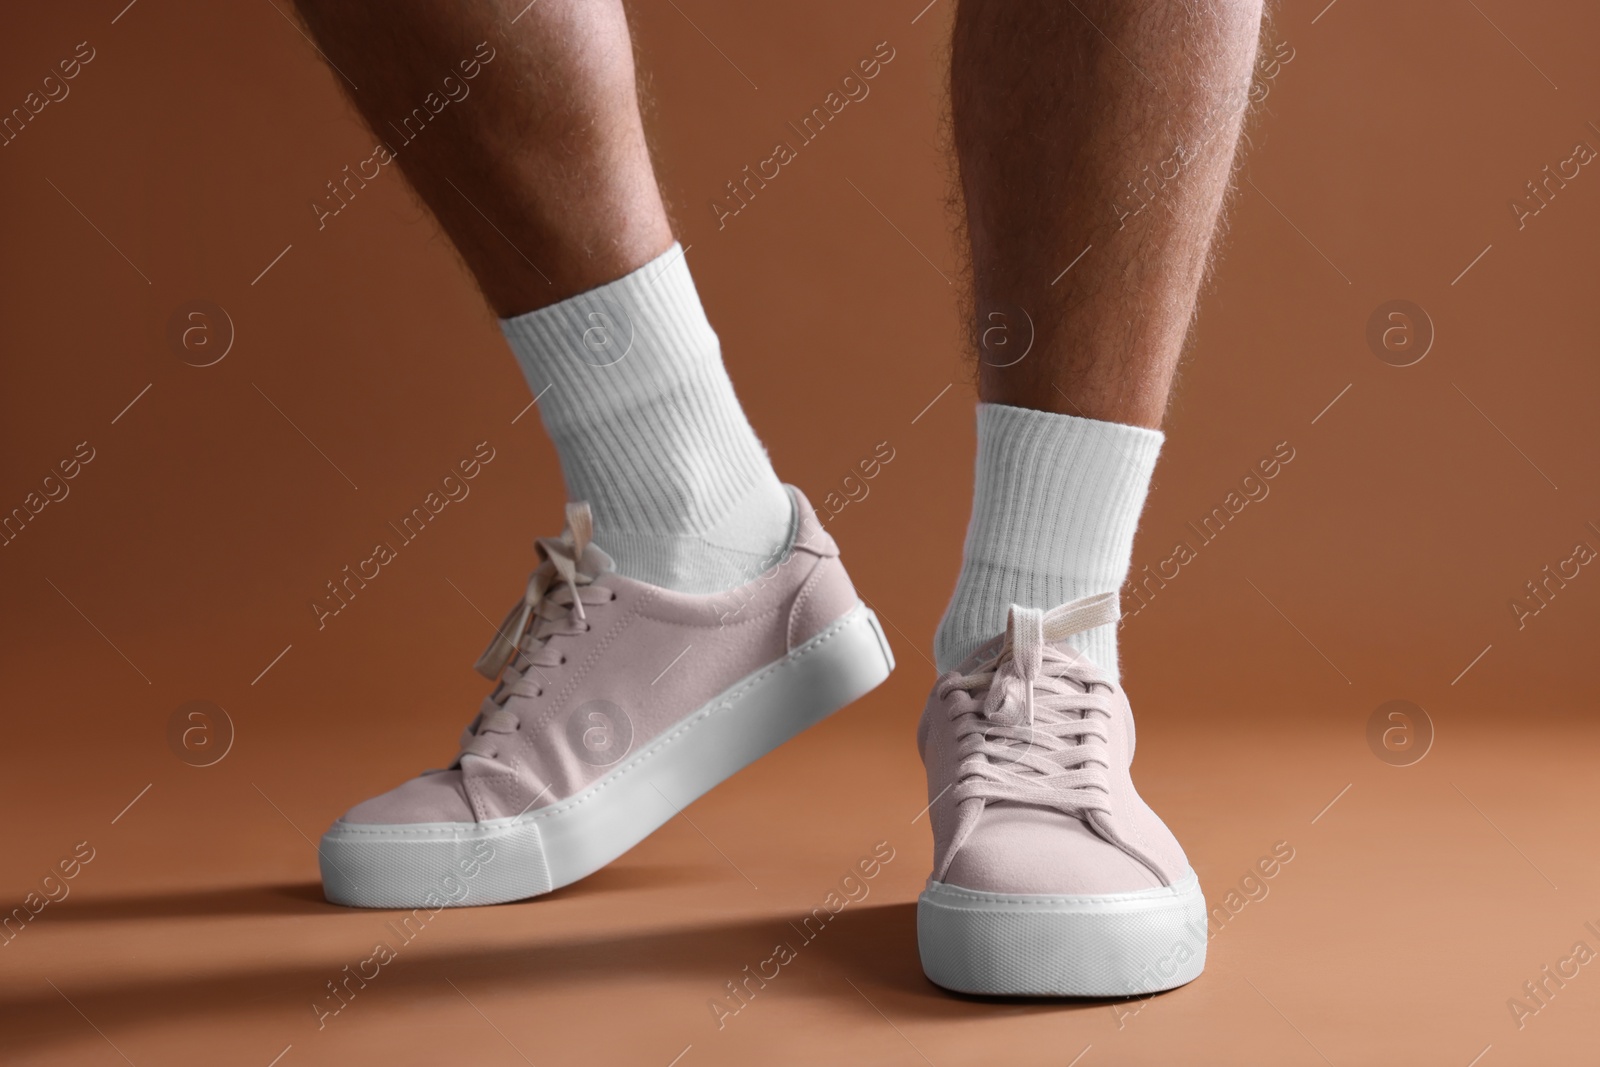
(1051,876)
(617,704)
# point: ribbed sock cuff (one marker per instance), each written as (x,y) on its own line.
(633,393)
(614,347)
(1056,502)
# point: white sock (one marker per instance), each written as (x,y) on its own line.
(632,391)
(1055,504)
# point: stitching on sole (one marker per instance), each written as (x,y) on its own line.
(1166,895)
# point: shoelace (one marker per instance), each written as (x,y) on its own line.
(1040,736)
(551,607)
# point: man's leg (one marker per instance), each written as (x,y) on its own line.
(541,174)
(622,692)
(537,168)
(1095,141)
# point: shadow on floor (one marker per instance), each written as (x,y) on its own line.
(306,899)
(874,946)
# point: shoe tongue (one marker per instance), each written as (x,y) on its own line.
(981,654)
(596,560)
(987,650)
(1079,658)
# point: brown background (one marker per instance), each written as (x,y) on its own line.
(1384,159)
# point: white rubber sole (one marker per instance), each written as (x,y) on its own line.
(1111,945)
(434,865)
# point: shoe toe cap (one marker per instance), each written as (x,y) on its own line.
(430,798)
(1026,850)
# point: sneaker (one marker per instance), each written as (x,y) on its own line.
(1051,876)
(616,704)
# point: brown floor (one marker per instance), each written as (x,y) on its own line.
(1421,501)
(1412,909)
